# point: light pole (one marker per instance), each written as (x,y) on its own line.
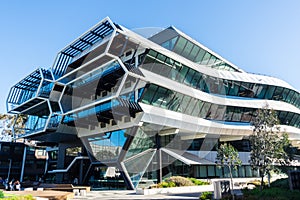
(9,167)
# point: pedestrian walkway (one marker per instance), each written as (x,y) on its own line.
(130,194)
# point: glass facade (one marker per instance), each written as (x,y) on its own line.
(164,98)
(158,63)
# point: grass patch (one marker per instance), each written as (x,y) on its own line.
(279,190)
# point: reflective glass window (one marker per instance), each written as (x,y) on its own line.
(194,53)
(174,72)
(219,115)
(148,62)
(237,115)
(247,115)
(278,93)
(183,71)
(180,45)
(168,98)
(290,96)
(205,58)
(211,171)
(269,92)
(285,94)
(202,83)
(148,95)
(200,56)
(191,106)
(204,111)
(281,116)
(212,60)
(176,102)
(158,96)
(234,88)
(289,118)
(261,91)
(184,104)
(196,79)
(294,120)
(229,113)
(170,43)
(211,113)
(189,76)
(197,108)
(295,98)
(187,49)
(157,66)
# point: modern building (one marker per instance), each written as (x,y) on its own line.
(120,108)
(22,162)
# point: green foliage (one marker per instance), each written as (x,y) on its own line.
(268,144)
(1,194)
(273,193)
(17,197)
(198,182)
(281,183)
(205,195)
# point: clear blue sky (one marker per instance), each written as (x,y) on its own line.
(258,36)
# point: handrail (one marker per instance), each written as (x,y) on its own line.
(70,165)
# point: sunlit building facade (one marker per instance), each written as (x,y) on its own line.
(144,105)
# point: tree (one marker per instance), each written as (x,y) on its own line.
(228,156)
(268,144)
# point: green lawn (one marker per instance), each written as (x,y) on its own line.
(279,190)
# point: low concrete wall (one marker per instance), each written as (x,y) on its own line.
(187,189)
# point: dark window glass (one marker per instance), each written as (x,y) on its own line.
(174,72)
(278,93)
(148,63)
(182,73)
(168,98)
(247,115)
(196,79)
(159,96)
(189,76)
(150,91)
(270,92)
(237,115)
(234,88)
(290,96)
(281,116)
(285,94)
(294,120)
(176,102)
(260,92)
(289,118)
(295,98)
(229,113)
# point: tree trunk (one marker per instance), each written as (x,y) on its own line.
(231,191)
(261,182)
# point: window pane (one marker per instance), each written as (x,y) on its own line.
(270,92)
(184,104)
(194,52)
(204,110)
(247,115)
(200,56)
(234,89)
(205,58)
(189,77)
(159,96)
(197,108)
(182,73)
(150,91)
(148,63)
(180,45)
(260,92)
(187,49)
(191,106)
(237,115)
(175,70)
(220,112)
(278,93)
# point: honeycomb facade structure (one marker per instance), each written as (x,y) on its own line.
(145,107)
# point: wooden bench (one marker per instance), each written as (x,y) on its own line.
(63,187)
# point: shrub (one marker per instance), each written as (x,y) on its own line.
(180,181)
(1,194)
(198,182)
(205,195)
